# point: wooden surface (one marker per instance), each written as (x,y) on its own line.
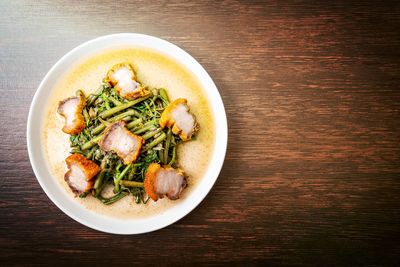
(312,94)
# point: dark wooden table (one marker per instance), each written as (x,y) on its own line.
(312,94)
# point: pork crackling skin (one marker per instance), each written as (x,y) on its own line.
(123,78)
(160,181)
(80,174)
(178,116)
(119,139)
(71,109)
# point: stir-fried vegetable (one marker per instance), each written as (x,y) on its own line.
(141,115)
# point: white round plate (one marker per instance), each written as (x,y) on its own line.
(50,184)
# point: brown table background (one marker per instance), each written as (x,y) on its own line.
(312,94)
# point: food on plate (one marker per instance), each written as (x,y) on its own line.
(80,174)
(177,116)
(71,109)
(126,137)
(162,181)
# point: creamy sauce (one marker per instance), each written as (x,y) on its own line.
(154,70)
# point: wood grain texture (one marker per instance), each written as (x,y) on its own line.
(312,94)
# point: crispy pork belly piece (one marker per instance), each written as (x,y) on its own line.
(119,139)
(71,109)
(160,181)
(123,78)
(80,174)
(177,116)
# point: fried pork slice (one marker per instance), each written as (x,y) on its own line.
(71,109)
(119,139)
(80,174)
(123,78)
(177,116)
(160,181)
